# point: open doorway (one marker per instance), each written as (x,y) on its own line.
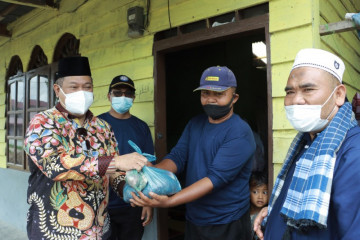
(183,71)
(177,73)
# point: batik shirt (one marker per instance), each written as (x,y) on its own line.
(68,189)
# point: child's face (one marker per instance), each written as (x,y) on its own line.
(259,195)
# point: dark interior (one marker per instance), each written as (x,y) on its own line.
(183,72)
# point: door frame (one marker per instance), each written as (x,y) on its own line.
(240,27)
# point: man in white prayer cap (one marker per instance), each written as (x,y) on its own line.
(316,194)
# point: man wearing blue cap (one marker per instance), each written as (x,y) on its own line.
(72,157)
(215,150)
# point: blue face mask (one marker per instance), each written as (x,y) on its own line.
(121,104)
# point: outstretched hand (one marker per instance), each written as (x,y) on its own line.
(162,201)
(130,161)
(257,222)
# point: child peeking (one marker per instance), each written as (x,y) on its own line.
(258,195)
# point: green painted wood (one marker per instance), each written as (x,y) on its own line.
(349,6)
(187,11)
(144,93)
(121,52)
(138,69)
(282,140)
(286,44)
(289,14)
(280,73)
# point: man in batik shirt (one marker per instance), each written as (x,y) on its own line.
(72,156)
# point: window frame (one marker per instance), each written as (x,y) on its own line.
(67,45)
(20,163)
(14,112)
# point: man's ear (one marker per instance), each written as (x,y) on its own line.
(56,89)
(236,97)
(108,97)
(340,95)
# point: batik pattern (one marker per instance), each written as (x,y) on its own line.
(68,194)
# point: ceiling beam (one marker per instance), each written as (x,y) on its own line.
(3,31)
(7,11)
(338,27)
(44,4)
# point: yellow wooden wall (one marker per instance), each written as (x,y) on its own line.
(291,29)
(346,44)
(102,28)
(295,25)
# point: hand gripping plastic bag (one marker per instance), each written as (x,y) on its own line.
(149,179)
(159,181)
(135,179)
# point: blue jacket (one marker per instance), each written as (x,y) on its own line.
(344,215)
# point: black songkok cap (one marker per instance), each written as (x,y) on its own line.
(73,66)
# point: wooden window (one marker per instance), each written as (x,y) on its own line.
(27,94)
(30,93)
(37,59)
(15,121)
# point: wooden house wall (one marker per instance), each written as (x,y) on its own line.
(291,29)
(346,44)
(295,25)
(101,26)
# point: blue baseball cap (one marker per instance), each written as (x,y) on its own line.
(217,79)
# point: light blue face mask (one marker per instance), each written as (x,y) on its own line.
(121,104)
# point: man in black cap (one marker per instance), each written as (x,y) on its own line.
(72,156)
(126,222)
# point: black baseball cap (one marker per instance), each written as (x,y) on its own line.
(121,80)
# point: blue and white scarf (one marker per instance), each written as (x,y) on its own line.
(308,198)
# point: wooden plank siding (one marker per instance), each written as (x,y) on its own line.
(346,44)
(295,25)
(291,29)
(101,26)
(187,11)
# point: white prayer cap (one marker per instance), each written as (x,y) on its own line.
(317,58)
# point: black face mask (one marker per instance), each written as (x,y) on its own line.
(216,111)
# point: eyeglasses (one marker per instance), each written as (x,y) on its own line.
(83,133)
(118,93)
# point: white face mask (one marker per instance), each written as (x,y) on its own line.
(307,118)
(78,102)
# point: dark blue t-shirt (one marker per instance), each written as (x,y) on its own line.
(344,217)
(222,152)
(132,129)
